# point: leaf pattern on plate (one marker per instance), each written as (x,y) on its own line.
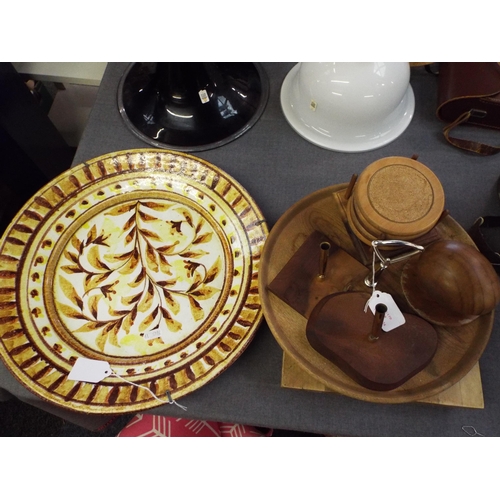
(139,266)
(64,299)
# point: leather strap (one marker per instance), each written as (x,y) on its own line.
(475,147)
(485,233)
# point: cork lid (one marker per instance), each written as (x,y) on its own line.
(399,196)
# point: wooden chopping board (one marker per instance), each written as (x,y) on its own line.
(466,393)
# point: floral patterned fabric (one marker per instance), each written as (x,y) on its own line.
(144,425)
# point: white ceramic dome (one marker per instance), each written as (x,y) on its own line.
(349,107)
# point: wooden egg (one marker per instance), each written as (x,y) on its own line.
(451,283)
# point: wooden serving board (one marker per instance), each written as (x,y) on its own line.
(459,348)
(466,393)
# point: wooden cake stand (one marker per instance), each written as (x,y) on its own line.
(459,348)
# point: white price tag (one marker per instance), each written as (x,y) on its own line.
(203,96)
(393,317)
(152,334)
(90,370)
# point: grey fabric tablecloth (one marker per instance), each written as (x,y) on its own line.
(278,168)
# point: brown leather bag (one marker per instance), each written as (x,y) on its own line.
(469,93)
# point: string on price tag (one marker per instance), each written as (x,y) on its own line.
(94,371)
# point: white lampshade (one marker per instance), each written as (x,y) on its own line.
(348,107)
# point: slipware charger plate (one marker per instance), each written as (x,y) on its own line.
(130,245)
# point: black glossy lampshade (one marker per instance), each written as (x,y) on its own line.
(192,106)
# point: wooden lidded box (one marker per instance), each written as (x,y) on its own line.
(395,198)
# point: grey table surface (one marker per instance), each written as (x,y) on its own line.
(278,168)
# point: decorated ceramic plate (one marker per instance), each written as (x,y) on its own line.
(145,259)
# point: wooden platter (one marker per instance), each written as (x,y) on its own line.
(459,348)
(466,393)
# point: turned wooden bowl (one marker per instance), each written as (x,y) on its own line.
(450,283)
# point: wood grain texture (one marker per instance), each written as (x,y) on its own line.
(354,341)
(298,283)
(399,197)
(466,393)
(459,348)
(451,283)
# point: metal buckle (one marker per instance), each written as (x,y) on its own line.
(478,113)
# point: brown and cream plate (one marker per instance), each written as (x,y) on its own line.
(147,259)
